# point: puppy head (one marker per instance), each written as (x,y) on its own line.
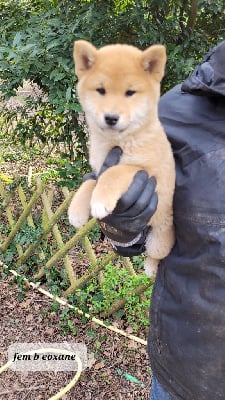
(119,85)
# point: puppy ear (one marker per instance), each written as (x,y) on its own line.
(154,60)
(84,54)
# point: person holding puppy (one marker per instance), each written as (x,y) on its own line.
(186,342)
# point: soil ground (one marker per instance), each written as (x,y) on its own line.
(33,321)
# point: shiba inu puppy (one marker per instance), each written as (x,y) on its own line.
(119,89)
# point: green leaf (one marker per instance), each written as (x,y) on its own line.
(68,93)
(17,39)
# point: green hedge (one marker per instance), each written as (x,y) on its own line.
(37,41)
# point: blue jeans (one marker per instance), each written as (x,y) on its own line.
(157,392)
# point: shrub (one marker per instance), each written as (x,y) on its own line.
(37,42)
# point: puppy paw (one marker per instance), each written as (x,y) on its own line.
(98,210)
(77,220)
(151,266)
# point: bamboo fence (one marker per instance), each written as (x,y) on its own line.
(18,208)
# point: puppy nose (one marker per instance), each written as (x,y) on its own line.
(111,119)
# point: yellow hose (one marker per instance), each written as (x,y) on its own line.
(52,350)
(65,303)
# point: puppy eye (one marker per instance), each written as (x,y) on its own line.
(130,93)
(101,91)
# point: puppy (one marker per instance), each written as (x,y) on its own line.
(119,90)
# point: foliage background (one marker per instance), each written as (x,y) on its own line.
(36,45)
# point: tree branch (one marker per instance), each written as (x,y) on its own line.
(192,16)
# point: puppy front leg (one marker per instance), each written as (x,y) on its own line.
(111,185)
(79,209)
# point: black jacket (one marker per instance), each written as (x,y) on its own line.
(187,317)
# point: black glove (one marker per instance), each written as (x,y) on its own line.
(127,226)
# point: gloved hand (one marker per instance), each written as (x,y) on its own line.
(127,226)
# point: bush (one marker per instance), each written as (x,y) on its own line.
(37,42)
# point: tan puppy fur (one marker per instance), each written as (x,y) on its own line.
(119,89)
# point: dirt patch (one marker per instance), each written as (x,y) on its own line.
(111,355)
